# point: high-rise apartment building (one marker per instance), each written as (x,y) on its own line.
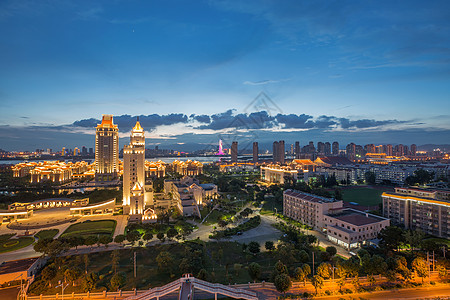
(335,147)
(278,152)
(327,148)
(389,151)
(321,148)
(255,152)
(297,149)
(234,151)
(424,209)
(413,149)
(134,171)
(106,149)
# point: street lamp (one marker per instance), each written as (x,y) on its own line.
(62,288)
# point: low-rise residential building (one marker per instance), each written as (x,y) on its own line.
(418,209)
(346,227)
(307,208)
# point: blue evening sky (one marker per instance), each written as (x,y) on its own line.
(64,61)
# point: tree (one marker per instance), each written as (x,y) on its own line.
(160,236)
(331,251)
(133,236)
(299,274)
(72,274)
(303,256)
(120,238)
(254,270)
(202,274)
(89,282)
(172,232)
(115,260)
(282,282)
(237,268)
(48,273)
(414,238)
(373,266)
(269,245)
(118,280)
(164,260)
(280,268)
(324,270)
(391,237)
(90,240)
(442,271)
(105,240)
(317,282)
(253,247)
(340,274)
(420,266)
(147,236)
(42,245)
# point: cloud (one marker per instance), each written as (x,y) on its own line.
(295,121)
(264,82)
(201,118)
(126,122)
(256,120)
(366,123)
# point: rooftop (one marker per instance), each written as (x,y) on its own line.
(17,265)
(309,197)
(356,217)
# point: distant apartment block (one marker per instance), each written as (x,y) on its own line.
(427,210)
(346,227)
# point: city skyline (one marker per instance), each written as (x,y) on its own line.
(354,72)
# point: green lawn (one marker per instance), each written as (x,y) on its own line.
(14,244)
(103,227)
(47,234)
(363,196)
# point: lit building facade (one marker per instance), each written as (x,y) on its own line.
(419,209)
(348,228)
(106,149)
(135,193)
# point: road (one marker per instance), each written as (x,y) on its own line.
(437,292)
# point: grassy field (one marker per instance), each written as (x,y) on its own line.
(363,195)
(103,227)
(47,234)
(14,244)
(270,205)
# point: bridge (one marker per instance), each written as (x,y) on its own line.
(186,286)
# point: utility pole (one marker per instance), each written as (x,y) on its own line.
(134,264)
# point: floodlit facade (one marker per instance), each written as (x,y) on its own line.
(427,210)
(135,193)
(187,168)
(54,171)
(106,149)
(189,195)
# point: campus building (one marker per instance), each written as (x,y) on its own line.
(346,227)
(106,149)
(427,210)
(189,195)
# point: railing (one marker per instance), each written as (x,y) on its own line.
(158,291)
(217,288)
